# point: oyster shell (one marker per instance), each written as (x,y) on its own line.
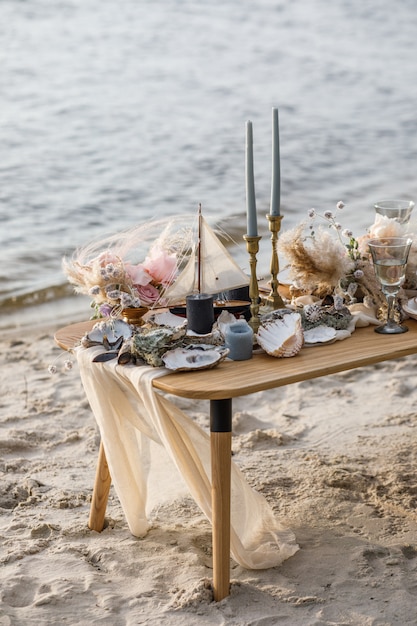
(214,338)
(277,314)
(320,334)
(194,357)
(166,318)
(150,344)
(107,333)
(281,337)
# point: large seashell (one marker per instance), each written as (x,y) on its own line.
(109,333)
(194,357)
(215,338)
(364,315)
(320,334)
(281,337)
(150,344)
(166,318)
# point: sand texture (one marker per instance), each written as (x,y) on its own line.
(335,457)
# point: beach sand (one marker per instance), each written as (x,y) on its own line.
(335,457)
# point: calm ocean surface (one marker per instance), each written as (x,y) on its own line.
(112,113)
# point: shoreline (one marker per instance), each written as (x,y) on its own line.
(43,316)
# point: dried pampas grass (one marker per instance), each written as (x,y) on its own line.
(316,263)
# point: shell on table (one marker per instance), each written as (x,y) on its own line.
(319,334)
(108,333)
(281,336)
(166,318)
(194,357)
(215,338)
(150,343)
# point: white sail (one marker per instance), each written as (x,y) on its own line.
(183,285)
(218,271)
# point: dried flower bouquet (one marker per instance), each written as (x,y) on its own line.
(329,261)
(110,273)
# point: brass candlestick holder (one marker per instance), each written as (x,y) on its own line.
(252,246)
(274,300)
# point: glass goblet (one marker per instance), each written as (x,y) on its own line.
(389,256)
(398,210)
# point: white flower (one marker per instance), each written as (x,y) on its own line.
(52,369)
(337,226)
(312,213)
(68,365)
(340,205)
(126,299)
(328,215)
(347,233)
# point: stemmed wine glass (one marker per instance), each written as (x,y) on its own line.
(398,210)
(390,255)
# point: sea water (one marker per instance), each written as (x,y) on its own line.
(113,113)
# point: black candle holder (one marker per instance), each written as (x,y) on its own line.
(200,313)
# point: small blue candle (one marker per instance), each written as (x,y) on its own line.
(276,173)
(252,226)
(239,340)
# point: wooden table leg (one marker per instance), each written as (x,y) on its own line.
(221,459)
(100,493)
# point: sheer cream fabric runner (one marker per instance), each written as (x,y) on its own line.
(130,412)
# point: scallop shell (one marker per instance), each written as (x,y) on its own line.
(281,337)
(194,357)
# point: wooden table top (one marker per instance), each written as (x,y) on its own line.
(237,378)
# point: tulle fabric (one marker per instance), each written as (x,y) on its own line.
(130,413)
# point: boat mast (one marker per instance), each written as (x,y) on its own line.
(199,250)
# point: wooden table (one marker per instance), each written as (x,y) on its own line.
(231,379)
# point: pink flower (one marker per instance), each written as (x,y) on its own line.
(363,247)
(385,227)
(138,274)
(161,266)
(148,294)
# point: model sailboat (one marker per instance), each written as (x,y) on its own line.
(209,269)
